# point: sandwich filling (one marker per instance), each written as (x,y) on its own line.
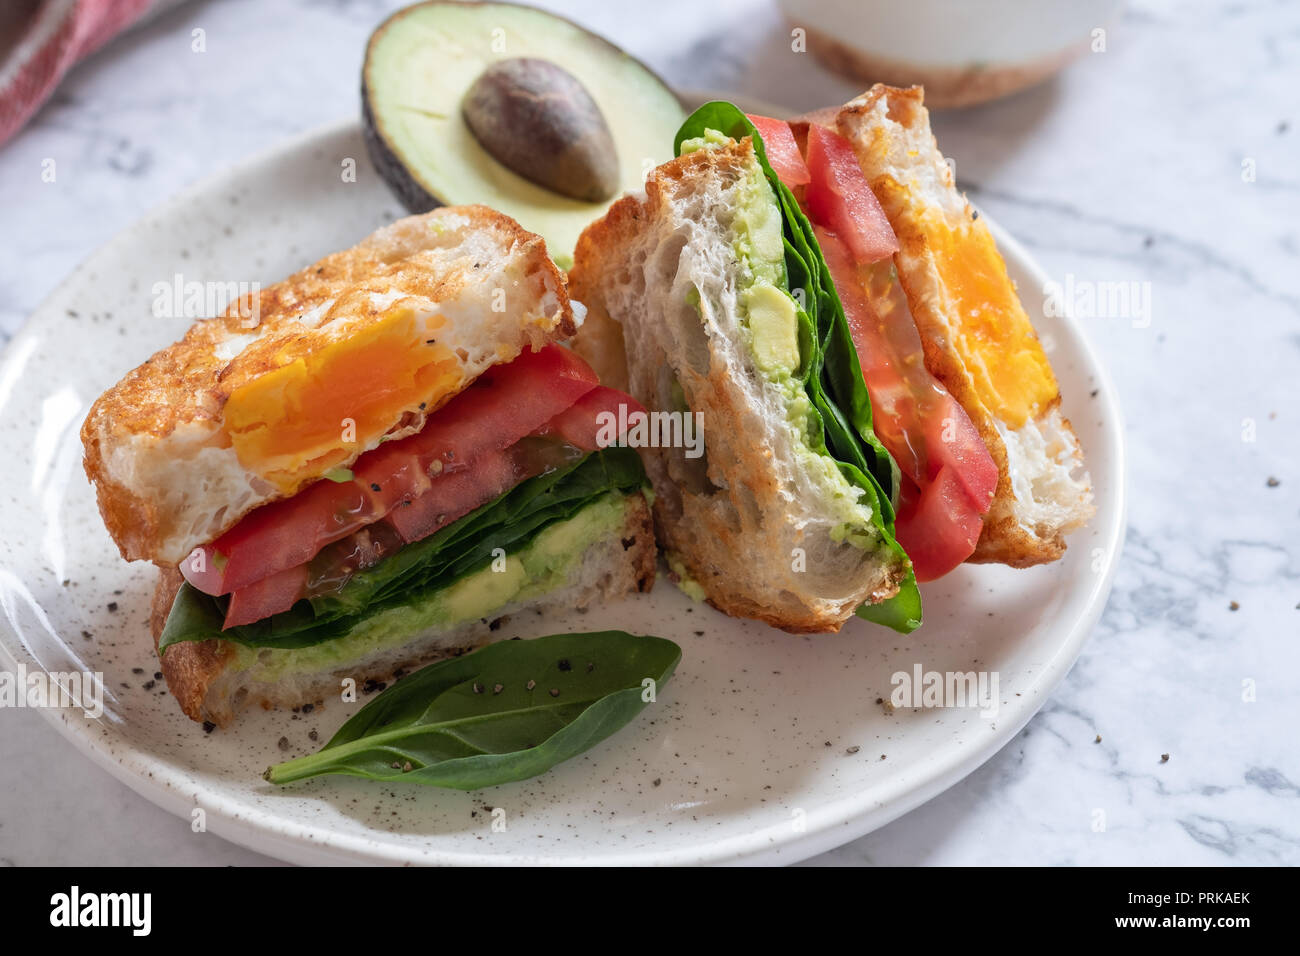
(484,488)
(548,563)
(943,478)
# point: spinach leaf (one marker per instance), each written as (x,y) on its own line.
(902,612)
(411,574)
(832,375)
(506,712)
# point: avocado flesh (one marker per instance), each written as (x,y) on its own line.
(419,66)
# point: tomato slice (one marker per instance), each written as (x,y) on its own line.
(782,151)
(921,425)
(279,590)
(937,525)
(500,407)
(595,419)
(454,495)
(839,197)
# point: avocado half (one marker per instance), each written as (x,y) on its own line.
(422,61)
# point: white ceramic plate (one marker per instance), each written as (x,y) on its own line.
(745,756)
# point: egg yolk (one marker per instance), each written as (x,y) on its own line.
(995,339)
(323,408)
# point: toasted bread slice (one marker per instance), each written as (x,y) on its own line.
(312,372)
(214,679)
(753,523)
(978,340)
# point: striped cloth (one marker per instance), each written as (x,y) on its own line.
(40,40)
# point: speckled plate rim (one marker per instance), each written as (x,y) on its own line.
(826,826)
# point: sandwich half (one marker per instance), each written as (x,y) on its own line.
(365,466)
(873,401)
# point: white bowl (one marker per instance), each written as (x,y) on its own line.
(961,52)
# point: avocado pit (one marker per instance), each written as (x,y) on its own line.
(539,121)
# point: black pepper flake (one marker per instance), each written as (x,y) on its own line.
(430,342)
(283,743)
(699,633)
(112,605)
(628,542)
(157,675)
(137,670)
(308,708)
(494,624)
(563,664)
(86,635)
(209,726)
(312,735)
(149,684)
(656,781)
(375,487)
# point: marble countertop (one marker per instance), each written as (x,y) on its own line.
(1128,167)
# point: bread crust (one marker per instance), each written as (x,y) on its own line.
(178,395)
(198,672)
(887,160)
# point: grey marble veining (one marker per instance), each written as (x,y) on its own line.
(1127,167)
